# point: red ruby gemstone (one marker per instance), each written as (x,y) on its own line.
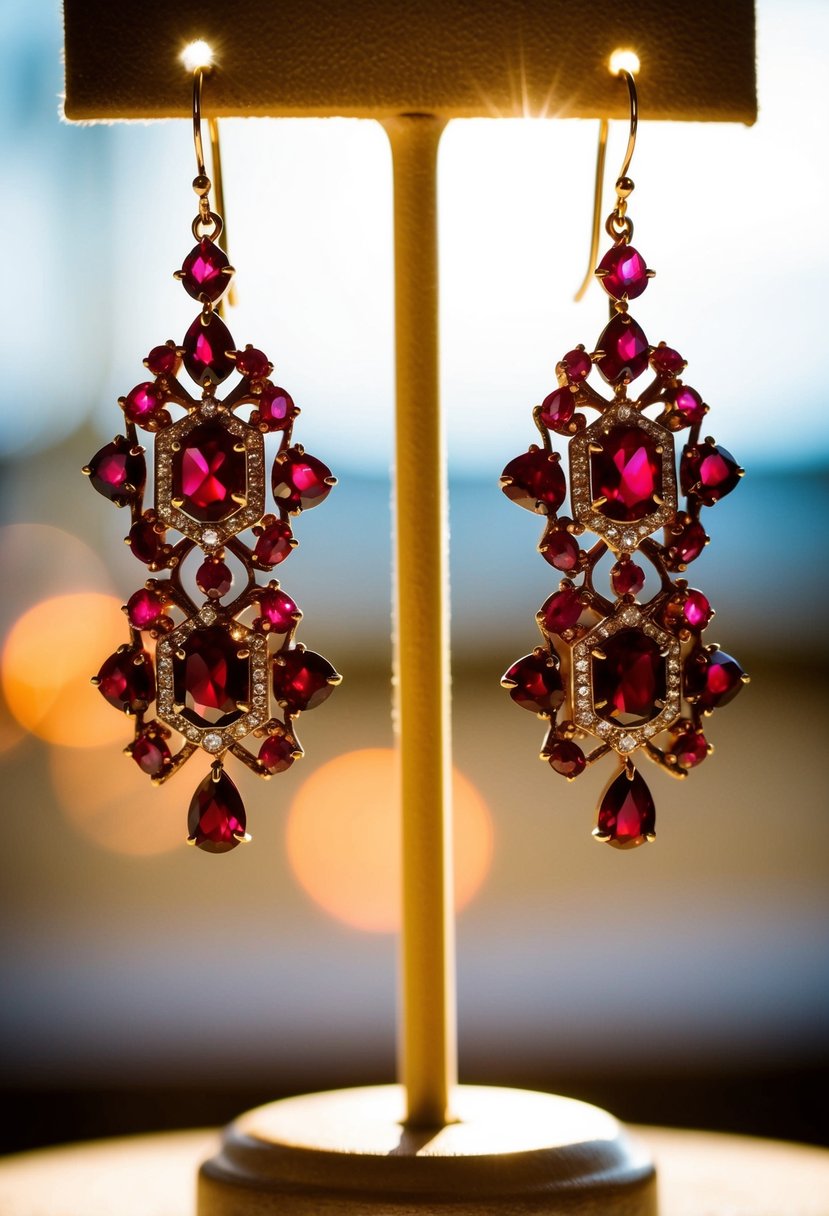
(162,361)
(665,361)
(690,748)
(536,482)
(627,472)
(712,678)
(301,680)
(252,363)
(202,272)
(566,757)
(116,472)
(211,678)
(577,364)
(216,818)
(690,542)
(625,272)
(696,610)
(214,578)
(277,609)
(535,684)
(145,608)
(126,680)
(625,350)
(276,407)
(207,472)
(300,481)
(146,544)
(557,409)
(205,350)
(143,402)
(274,544)
(277,753)
(630,679)
(562,610)
(708,471)
(627,815)
(688,405)
(151,753)
(560,549)
(627,578)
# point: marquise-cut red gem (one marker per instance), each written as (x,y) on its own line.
(688,404)
(535,481)
(273,545)
(127,681)
(208,471)
(690,748)
(202,272)
(562,610)
(206,349)
(278,610)
(252,363)
(627,473)
(146,544)
(302,680)
(627,816)
(211,678)
(557,409)
(712,679)
(627,578)
(276,407)
(577,364)
(630,678)
(277,753)
(151,753)
(145,608)
(163,361)
(709,471)
(144,402)
(689,543)
(535,684)
(214,578)
(625,350)
(216,819)
(300,481)
(560,549)
(566,757)
(117,472)
(625,272)
(666,361)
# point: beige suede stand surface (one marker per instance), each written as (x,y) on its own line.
(428,1145)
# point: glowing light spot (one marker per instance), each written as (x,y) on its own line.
(39,560)
(49,656)
(198,54)
(624,61)
(107,799)
(343,839)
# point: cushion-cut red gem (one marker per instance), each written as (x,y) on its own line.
(627,578)
(207,472)
(127,681)
(625,272)
(534,480)
(688,405)
(557,409)
(252,363)
(302,679)
(562,610)
(145,608)
(117,472)
(277,610)
(143,404)
(666,361)
(566,757)
(276,407)
(630,678)
(687,546)
(274,543)
(625,350)
(560,549)
(150,752)
(146,544)
(216,820)
(690,748)
(627,816)
(712,678)
(202,272)
(210,679)
(300,481)
(534,683)
(162,361)
(214,578)
(206,347)
(627,473)
(277,753)
(577,364)
(709,471)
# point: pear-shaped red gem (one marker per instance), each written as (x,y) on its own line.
(624,272)
(562,610)
(534,480)
(534,683)
(624,350)
(627,816)
(216,820)
(126,680)
(557,409)
(300,481)
(118,471)
(274,543)
(712,678)
(709,471)
(302,679)
(202,272)
(206,345)
(687,546)
(560,548)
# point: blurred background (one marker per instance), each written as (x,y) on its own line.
(147,985)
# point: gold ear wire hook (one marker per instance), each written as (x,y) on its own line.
(618,225)
(204,183)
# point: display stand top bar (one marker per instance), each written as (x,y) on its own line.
(378,58)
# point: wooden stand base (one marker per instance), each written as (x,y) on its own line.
(510,1151)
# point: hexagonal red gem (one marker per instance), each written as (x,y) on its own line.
(630,679)
(626,473)
(210,678)
(208,471)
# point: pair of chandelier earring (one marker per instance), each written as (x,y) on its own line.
(228,676)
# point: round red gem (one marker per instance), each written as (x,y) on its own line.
(689,543)
(252,363)
(151,753)
(273,544)
(562,610)
(277,753)
(708,471)
(162,361)
(697,611)
(577,364)
(206,346)
(143,403)
(278,610)
(712,678)
(566,757)
(534,683)
(534,480)
(627,578)
(627,816)
(690,748)
(214,578)
(629,678)
(145,608)
(216,818)
(300,481)
(625,350)
(302,680)
(276,407)
(627,473)
(208,472)
(116,472)
(665,361)
(202,272)
(146,544)
(625,273)
(126,680)
(560,549)
(687,404)
(557,409)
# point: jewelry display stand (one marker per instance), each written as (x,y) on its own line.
(427,1145)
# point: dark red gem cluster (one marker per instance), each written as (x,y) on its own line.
(227,667)
(624,668)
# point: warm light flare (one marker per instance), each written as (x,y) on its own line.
(624,61)
(198,54)
(343,839)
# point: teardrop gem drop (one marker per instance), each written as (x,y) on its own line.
(625,350)
(216,820)
(627,816)
(206,350)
